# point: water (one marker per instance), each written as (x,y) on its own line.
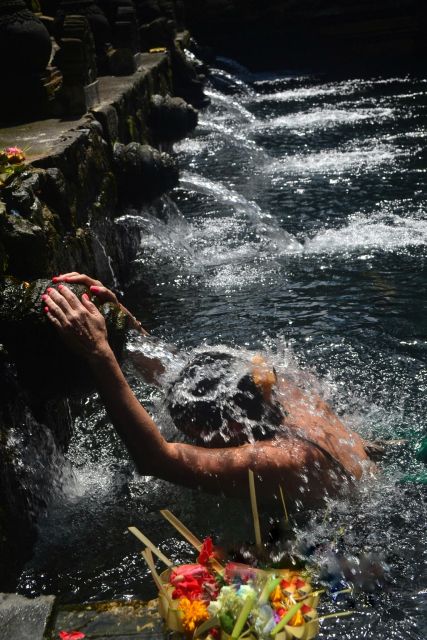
(299,228)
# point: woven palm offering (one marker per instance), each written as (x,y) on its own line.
(212,601)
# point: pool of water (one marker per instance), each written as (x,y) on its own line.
(299,228)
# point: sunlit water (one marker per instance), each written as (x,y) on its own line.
(299,228)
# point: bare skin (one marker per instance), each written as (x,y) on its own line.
(305,465)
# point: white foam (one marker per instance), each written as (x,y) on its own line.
(324,118)
(333,161)
(230,103)
(364,232)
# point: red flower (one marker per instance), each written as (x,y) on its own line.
(193,581)
(300,584)
(71,635)
(206,552)
(238,572)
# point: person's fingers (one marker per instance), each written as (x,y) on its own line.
(70,297)
(55,310)
(79,278)
(89,305)
(52,318)
(103,293)
(67,302)
(63,276)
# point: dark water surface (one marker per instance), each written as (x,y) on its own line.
(300,228)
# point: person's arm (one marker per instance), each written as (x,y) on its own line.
(83,328)
(214,470)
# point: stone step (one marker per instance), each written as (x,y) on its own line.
(115,620)
(37,619)
(22,618)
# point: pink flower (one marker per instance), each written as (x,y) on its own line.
(14,155)
(71,635)
(194,582)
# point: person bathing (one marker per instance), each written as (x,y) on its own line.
(239,412)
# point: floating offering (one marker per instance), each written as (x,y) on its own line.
(212,601)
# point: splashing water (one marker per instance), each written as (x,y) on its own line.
(299,229)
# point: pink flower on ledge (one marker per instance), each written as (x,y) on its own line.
(14,155)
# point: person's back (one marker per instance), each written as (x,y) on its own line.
(309,417)
(294,437)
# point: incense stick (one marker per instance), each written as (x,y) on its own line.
(284,504)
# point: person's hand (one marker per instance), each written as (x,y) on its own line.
(79,323)
(102,293)
(95,286)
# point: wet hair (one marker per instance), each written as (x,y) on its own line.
(210,391)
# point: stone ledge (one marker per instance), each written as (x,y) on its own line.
(40,139)
(22,618)
(117,620)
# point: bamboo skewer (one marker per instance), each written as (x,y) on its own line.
(255,515)
(182,529)
(190,537)
(148,557)
(138,534)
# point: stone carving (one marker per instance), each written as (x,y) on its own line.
(125,29)
(76,59)
(124,59)
(147,11)
(98,23)
(25,50)
(143,173)
(170,118)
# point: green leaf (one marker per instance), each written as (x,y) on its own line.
(206,626)
(227,622)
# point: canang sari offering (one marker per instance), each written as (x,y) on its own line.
(212,601)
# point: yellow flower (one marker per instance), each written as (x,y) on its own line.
(276,595)
(193,613)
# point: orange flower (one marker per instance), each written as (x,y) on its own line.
(263,376)
(297,620)
(193,613)
(276,595)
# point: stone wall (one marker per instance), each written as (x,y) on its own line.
(58,215)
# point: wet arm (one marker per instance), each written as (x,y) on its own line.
(214,470)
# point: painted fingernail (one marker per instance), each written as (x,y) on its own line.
(44,296)
(60,286)
(85,296)
(95,289)
(49,289)
(55,278)
(46,309)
